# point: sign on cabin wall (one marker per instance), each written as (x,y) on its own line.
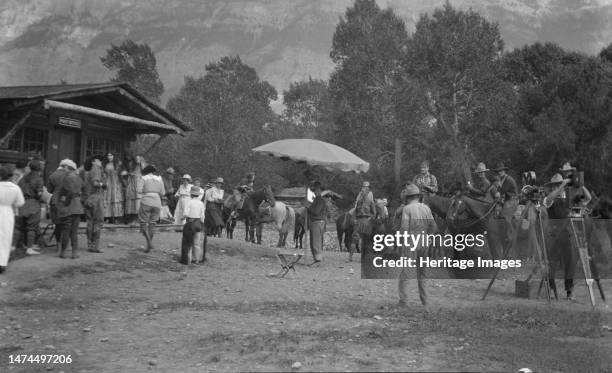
(69,122)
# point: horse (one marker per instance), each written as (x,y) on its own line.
(250,214)
(282,215)
(345,224)
(230,213)
(299,228)
(382,223)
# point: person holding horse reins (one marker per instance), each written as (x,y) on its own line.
(506,192)
(317,215)
(481,188)
(425,181)
(214,206)
(363,212)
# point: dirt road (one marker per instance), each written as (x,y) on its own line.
(125,310)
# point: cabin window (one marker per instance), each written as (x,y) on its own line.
(29,140)
(102,146)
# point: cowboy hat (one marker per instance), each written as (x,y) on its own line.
(219,180)
(170,170)
(556,179)
(567,167)
(186,177)
(500,166)
(481,168)
(411,190)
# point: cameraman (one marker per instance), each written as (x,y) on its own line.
(579,196)
(559,204)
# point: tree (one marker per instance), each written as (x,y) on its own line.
(453,61)
(136,64)
(564,111)
(308,112)
(367,47)
(229,107)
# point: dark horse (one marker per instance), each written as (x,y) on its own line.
(300,227)
(381,224)
(249,213)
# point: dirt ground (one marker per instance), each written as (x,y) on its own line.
(125,310)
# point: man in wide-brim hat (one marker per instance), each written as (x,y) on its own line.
(506,190)
(481,186)
(558,207)
(416,219)
(364,212)
(214,207)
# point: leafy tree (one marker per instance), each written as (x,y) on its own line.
(452,60)
(367,47)
(308,112)
(229,107)
(136,64)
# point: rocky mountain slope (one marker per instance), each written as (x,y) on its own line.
(45,41)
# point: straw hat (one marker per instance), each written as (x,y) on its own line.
(481,168)
(567,167)
(556,179)
(411,190)
(365,184)
(186,177)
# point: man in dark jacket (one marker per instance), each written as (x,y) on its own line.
(70,209)
(53,187)
(317,216)
(93,197)
(28,221)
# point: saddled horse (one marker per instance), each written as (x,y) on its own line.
(382,223)
(464,214)
(230,213)
(283,217)
(249,212)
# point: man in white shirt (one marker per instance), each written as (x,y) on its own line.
(192,230)
(214,208)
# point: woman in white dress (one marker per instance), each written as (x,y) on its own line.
(11,198)
(183,194)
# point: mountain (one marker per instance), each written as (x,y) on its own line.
(46,41)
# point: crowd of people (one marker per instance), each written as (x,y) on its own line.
(101,190)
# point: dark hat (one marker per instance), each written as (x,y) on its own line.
(98,157)
(500,166)
(148,170)
(481,168)
(316,185)
(35,165)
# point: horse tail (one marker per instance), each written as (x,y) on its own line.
(340,229)
(289,219)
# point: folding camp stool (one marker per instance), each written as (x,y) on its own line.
(287,262)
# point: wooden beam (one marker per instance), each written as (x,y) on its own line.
(123,92)
(154,144)
(107,114)
(9,135)
(63,96)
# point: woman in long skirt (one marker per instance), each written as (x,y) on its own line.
(11,198)
(134,184)
(183,194)
(113,195)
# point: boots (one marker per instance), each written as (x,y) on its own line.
(94,245)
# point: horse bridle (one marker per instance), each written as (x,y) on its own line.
(478,220)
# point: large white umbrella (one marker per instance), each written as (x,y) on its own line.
(315,153)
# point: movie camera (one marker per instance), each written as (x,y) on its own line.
(530,190)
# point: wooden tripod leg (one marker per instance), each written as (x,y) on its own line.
(505,256)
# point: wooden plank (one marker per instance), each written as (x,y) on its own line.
(123,92)
(9,135)
(108,114)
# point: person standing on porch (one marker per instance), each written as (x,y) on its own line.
(70,209)
(150,207)
(93,197)
(317,215)
(11,199)
(182,194)
(113,194)
(134,184)
(28,220)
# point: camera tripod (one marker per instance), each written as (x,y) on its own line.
(541,256)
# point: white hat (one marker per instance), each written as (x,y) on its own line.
(63,162)
(186,176)
(69,163)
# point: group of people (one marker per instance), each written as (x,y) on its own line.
(566,196)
